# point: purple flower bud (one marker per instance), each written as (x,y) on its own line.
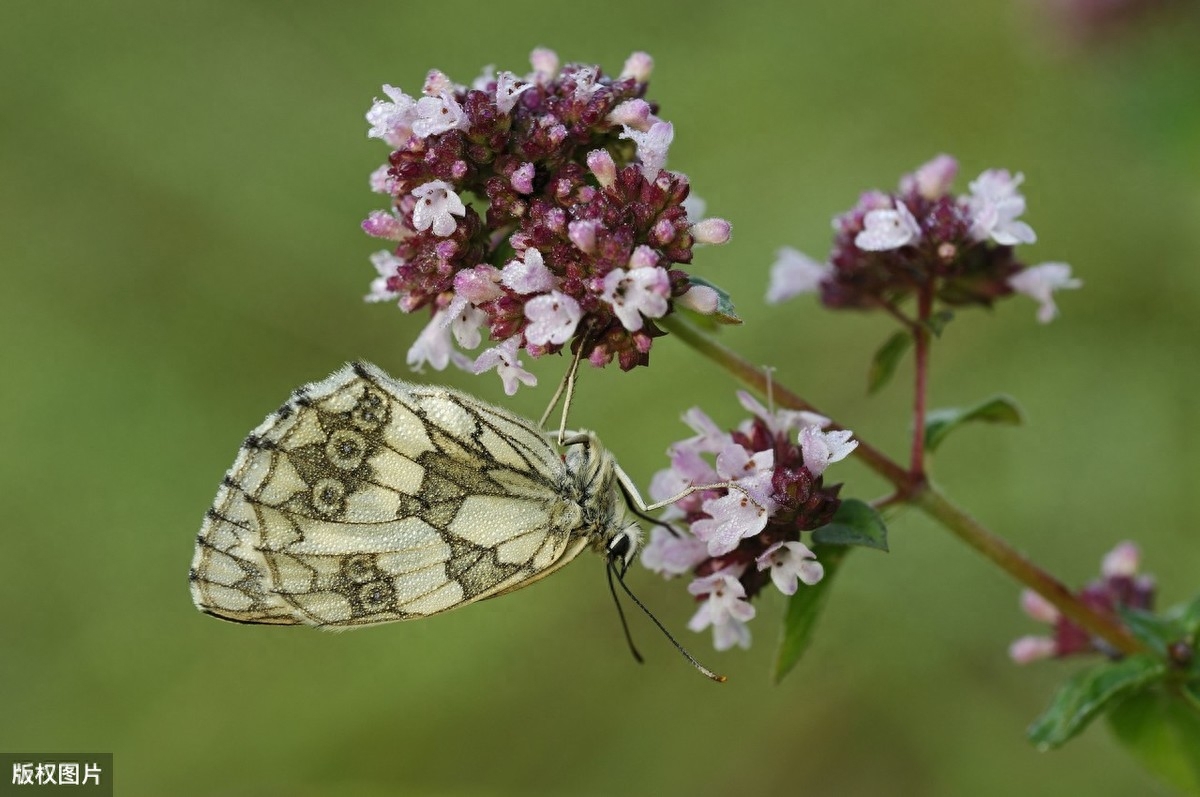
(522,179)
(712,231)
(638,66)
(602,166)
(583,235)
(663,232)
(545,64)
(382,224)
(634,113)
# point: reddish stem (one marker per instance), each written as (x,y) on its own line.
(921,339)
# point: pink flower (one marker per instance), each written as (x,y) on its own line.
(652,146)
(823,448)
(732,518)
(931,180)
(794,273)
(545,65)
(751,473)
(529,275)
(381,180)
(1029,649)
(1040,282)
(507,91)
(671,555)
(436,207)
(638,66)
(385,264)
(552,318)
(392,121)
(507,364)
(781,421)
(790,563)
(888,229)
(1122,561)
(385,224)
(438,115)
(1038,607)
(465,323)
(725,609)
(995,205)
(433,346)
(478,285)
(637,292)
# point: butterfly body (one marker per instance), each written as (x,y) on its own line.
(367,500)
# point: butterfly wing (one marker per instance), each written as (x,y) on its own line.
(367,500)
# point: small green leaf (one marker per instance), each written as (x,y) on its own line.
(1162,732)
(1090,692)
(1158,633)
(855,523)
(997,409)
(724,314)
(804,608)
(884,363)
(1188,617)
(938,321)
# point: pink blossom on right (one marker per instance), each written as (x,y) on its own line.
(922,238)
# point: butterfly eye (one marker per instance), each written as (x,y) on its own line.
(623,546)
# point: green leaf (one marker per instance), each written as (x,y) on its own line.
(1188,617)
(938,321)
(1089,693)
(1158,633)
(884,363)
(804,608)
(724,314)
(997,409)
(855,523)
(1162,732)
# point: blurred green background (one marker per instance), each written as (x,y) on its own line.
(180,192)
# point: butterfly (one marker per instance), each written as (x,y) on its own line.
(366,500)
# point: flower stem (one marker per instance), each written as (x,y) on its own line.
(921,339)
(914,489)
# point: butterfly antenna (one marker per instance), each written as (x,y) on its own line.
(703,670)
(621,613)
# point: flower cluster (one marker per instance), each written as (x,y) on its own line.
(744,531)
(1119,586)
(536,209)
(923,238)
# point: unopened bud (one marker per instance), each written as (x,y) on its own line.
(711,231)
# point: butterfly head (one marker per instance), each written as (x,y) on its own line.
(624,545)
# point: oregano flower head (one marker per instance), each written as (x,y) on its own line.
(921,237)
(737,540)
(534,211)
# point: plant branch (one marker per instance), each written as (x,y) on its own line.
(921,339)
(926,497)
